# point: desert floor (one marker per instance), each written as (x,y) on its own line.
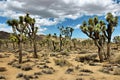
(57,72)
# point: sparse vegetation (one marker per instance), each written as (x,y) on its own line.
(26,55)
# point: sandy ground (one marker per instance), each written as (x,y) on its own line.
(59,73)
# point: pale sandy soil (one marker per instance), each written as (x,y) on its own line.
(59,74)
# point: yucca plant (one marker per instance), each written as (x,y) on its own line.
(112,22)
(94,29)
(18,28)
(31,30)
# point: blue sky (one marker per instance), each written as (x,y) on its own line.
(50,14)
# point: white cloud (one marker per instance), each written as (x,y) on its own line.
(58,9)
(45,22)
(4,27)
(41,30)
(77,26)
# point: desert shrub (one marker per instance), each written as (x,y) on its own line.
(86,70)
(87,57)
(48,70)
(69,70)
(115,59)
(2,77)
(62,62)
(26,67)
(2,69)
(66,53)
(116,71)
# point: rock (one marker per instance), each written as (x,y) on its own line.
(26,67)
(2,69)
(69,70)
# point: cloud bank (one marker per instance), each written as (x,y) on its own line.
(43,10)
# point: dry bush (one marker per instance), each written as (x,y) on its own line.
(62,62)
(87,57)
(115,58)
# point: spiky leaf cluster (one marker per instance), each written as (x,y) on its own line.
(66,31)
(93,28)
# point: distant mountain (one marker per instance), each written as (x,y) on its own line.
(4,35)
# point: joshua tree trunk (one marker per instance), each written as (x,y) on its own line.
(13,45)
(20,51)
(20,48)
(100,54)
(74,45)
(60,43)
(48,44)
(108,49)
(53,45)
(100,50)
(35,49)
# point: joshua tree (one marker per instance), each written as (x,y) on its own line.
(60,37)
(74,40)
(67,32)
(31,30)
(48,40)
(18,30)
(54,41)
(112,22)
(94,29)
(116,39)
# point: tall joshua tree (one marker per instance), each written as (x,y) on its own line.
(18,30)
(48,40)
(31,30)
(112,23)
(65,31)
(94,29)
